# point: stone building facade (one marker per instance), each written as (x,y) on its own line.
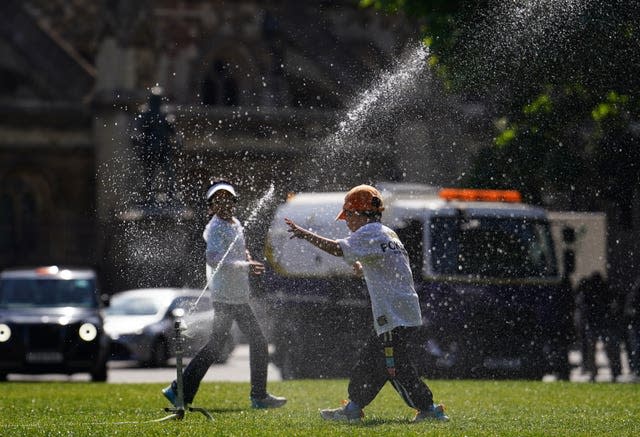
(286,94)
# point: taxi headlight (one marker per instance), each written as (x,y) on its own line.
(88,332)
(5,332)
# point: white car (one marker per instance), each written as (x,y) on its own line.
(141,324)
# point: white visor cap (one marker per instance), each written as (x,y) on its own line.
(217,187)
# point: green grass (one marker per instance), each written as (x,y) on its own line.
(476,408)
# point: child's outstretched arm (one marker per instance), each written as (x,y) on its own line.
(330,246)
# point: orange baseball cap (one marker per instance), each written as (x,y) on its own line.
(363,198)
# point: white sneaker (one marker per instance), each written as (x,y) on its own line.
(342,413)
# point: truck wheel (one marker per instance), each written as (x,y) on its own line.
(535,371)
(287,367)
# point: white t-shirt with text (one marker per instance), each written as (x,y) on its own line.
(385,265)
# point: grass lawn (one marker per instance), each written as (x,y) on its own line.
(476,408)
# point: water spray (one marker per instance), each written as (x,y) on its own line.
(388,92)
(362,125)
(260,205)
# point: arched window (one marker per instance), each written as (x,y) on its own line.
(22,216)
(220,86)
(10,81)
(230,92)
(7,234)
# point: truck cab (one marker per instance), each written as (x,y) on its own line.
(485,270)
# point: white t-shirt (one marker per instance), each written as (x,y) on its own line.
(227,265)
(386,270)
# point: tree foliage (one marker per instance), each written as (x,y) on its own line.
(563,80)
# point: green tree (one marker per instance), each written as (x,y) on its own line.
(563,80)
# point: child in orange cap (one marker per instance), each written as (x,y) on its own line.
(376,252)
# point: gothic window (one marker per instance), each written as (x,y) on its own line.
(220,86)
(21,218)
(13,84)
(7,234)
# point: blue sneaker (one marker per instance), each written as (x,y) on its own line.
(435,413)
(269,401)
(170,394)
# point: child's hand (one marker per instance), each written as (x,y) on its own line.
(257,268)
(296,231)
(357,269)
(329,246)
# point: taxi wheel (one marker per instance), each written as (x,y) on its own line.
(100,374)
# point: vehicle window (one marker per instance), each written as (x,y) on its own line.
(178,302)
(492,247)
(134,306)
(18,292)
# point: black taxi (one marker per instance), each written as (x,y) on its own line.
(51,322)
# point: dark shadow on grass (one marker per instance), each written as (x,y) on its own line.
(219,410)
(49,381)
(377,421)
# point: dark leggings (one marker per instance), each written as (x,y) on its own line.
(374,369)
(223,319)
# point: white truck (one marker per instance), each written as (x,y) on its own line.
(494,300)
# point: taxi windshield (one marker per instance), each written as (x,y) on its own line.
(47,292)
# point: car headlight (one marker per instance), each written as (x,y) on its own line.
(5,332)
(88,332)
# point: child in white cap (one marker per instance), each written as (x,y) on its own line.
(228,266)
